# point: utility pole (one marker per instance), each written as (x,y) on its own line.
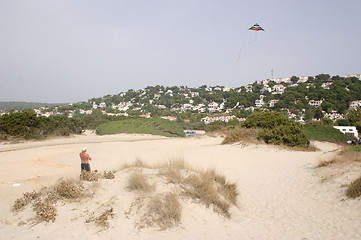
(272,73)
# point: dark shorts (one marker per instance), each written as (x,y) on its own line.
(85,167)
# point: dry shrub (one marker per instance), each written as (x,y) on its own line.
(102,219)
(138,182)
(137,164)
(69,189)
(325,163)
(108,175)
(173,175)
(45,211)
(229,192)
(347,155)
(206,192)
(213,189)
(163,211)
(89,176)
(354,189)
(27,198)
(241,134)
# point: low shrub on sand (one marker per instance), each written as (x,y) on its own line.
(102,219)
(45,211)
(89,176)
(163,211)
(354,189)
(27,198)
(69,189)
(241,134)
(347,155)
(138,182)
(212,190)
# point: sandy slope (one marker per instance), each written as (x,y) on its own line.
(281,193)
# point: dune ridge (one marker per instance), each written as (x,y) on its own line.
(282,194)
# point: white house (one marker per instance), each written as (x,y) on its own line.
(278,89)
(272,102)
(315,103)
(260,102)
(355,104)
(348,130)
(354,75)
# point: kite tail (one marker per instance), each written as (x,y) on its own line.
(249,43)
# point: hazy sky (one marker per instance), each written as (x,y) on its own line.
(73,50)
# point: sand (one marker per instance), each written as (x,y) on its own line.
(282,193)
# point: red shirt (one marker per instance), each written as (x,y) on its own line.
(84,157)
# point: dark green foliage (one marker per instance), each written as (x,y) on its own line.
(265,120)
(277,129)
(24,105)
(289,134)
(321,132)
(28,126)
(356,148)
(153,126)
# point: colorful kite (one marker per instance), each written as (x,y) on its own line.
(256,27)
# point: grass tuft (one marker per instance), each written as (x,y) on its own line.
(241,134)
(163,211)
(354,189)
(102,219)
(138,182)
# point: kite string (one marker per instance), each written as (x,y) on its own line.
(249,43)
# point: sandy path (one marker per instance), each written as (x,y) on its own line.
(281,195)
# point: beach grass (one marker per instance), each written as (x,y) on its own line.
(354,189)
(241,134)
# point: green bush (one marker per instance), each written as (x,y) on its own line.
(155,126)
(289,134)
(276,128)
(28,125)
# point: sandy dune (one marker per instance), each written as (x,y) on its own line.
(281,192)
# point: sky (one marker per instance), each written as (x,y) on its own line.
(67,51)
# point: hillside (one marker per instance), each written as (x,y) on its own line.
(302,98)
(24,105)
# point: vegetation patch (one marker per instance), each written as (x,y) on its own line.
(142,125)
(320,132)
(354,189)
(28,125)
(28,197)
(204,187)
(241,134)
(162,211)
(138,182)
(102,219)
(276,128)
(356,148)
